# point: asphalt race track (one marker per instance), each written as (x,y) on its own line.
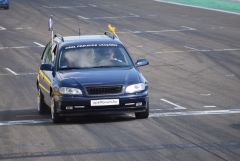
(194,79)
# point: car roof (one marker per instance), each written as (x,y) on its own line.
(86,39)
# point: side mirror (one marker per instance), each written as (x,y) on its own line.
(141,62)
(46,67)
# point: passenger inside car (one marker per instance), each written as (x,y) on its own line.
(110,57)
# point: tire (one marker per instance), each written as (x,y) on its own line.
(142,115)
(55,117)
(42,107)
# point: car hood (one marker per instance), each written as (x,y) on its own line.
(105,76)
(3,1)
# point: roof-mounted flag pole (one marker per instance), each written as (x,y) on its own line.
(50,26)
(112,29)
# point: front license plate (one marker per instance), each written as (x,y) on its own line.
(105,102)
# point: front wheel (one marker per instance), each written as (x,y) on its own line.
(143,115)
(55,117)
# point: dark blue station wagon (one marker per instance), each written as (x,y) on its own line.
(83,75)
(4,4)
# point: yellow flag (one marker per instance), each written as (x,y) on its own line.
(112,28)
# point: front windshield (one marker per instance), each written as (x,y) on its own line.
(93,56)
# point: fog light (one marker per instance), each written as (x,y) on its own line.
(129,104)
(139,104)
(77,107)
(69,107)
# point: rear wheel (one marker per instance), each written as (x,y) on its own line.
(55,117)
(42,107)
(143,115)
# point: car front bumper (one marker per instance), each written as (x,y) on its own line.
(4,5)
(74,106)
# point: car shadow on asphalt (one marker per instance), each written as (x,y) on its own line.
(93,119)
(33,118)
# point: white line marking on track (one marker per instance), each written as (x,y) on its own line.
(11,71)
(117,17)
(229,75)
(182,29)
(14,47)
(205,8)
(166,114)
(134,32)
(23,28)
(205,94)
(19,74)
(210,106)
(25,74)
(153,115)
(18,47)
(172,51)
(113,17)
(82,17)
(92,5)
(163,31)
(196,113)
(188,47)
(2,28)
(177,107)
(226,49)
(133,14)
(189,28)
(64,7)
(204,50)
(200,50)
(24,122)
(40,45)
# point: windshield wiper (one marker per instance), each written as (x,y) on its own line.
(115,66)
(70,68)
(102,67)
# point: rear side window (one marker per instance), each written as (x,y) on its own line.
(45,52)
(49,54)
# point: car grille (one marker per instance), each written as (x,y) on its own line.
(103,90)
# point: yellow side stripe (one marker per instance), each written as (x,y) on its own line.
(41,86)
(45,77)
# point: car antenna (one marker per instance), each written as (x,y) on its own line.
(79,30)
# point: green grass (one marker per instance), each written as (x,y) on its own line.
(226,5)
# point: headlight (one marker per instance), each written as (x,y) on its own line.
(135,88)
(70,91)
